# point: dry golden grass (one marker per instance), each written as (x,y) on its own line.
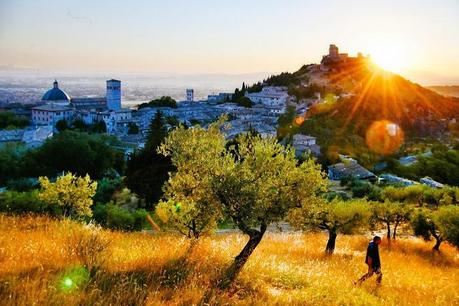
(143,269)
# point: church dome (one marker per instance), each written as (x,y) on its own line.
(55,94)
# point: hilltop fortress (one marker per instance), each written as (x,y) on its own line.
(334,56)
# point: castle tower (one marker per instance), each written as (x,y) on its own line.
(113,94)
(333,51)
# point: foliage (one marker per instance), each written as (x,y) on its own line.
(172,121)
(21,202)
(147,170)
(362,189)
(425,224)
(448,223)
(118,218)
(244,102)
(127,199)
(133,128)
(260,183)
(442,166)
(305,92)
(97,127)
(257,87)
(62,125)
(238,93)
(190,204)
(164,101)
(11,121)
(391,214)
(12,163)
(79,124)
(421,194)
(22,184)
(282,79)
(335,217)
(286,123)
(254,182)
(72,193)
(106,187)
(76,152)
(157,131)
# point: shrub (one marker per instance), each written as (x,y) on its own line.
(22,202)
(71,193)
(122,219)
(89,245)
(106,187)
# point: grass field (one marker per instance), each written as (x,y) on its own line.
(65,263)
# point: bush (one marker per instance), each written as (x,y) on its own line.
(99,214)
(62,125)
(115,217)
(22,202)
(106,187)
(244,102)
(10,121)
(364,189)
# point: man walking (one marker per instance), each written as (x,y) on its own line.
(373,262)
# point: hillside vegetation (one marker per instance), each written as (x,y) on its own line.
(44,261)
(357,94)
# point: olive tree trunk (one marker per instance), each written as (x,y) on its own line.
(438,241)
(330,248)
(233,270)
(395,230)
(241,259)
(388,230)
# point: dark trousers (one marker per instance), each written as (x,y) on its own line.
(371,271)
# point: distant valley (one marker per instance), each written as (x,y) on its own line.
(447,90)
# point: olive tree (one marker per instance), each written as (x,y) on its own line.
(334,217)
(259,185)
(447,218)
(253,181)
(190,205)
(425,224)
(391,214)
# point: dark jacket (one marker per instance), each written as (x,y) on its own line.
(373,253)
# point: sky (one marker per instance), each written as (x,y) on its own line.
(418,39)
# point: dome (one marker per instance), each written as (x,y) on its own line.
(55,94)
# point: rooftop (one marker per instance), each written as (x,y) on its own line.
(52,108)
(55,94)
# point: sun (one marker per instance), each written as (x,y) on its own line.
(390,57)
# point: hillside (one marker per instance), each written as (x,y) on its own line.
(355,95)
(46,262)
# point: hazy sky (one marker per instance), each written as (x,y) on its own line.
(223,36)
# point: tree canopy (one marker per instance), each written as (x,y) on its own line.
(335,217)
(146,169)
(164,101)
(253,182)
(9,120)
(71,193)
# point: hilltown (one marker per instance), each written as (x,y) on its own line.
(267,105)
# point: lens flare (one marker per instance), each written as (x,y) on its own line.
(298,120)
(384,137)
(73,279)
